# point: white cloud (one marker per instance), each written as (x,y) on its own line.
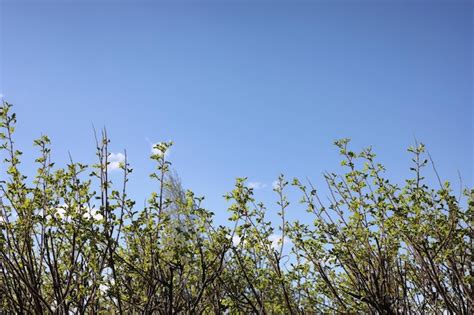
(276,240)
(156,151)
(115,161)
(236,240)
(256,185)
(91,213)
(103,288)
(61,211)
(276,184)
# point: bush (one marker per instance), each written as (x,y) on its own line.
(374,247)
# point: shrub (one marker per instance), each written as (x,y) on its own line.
(374,247)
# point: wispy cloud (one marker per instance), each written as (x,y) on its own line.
(256,185)
(115,161)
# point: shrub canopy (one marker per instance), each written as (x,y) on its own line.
(70,242)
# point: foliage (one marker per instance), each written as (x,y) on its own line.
(70,242)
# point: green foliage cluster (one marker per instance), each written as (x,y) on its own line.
(72,243)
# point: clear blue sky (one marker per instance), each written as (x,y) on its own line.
(243,88)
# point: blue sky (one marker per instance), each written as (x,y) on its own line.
(243,88)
